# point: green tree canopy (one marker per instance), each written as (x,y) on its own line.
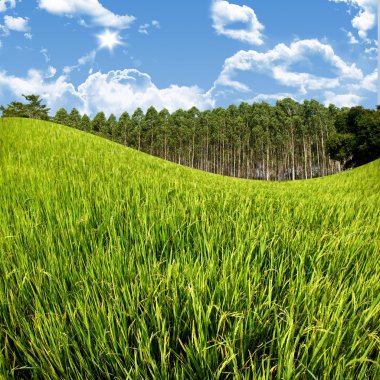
(85,123)
(357,137)
(34,109)
(99,122)
(111,125)
(74,118)
(61,117)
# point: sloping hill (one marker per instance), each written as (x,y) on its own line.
(115,264)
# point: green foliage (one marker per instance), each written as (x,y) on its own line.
(122,130)
(99,122)
(85,123)
(357,140)
(74,119)
(33,110)
(61,117)
(117,265)
(340,146)
(111,126)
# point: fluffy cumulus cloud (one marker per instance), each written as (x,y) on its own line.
(344,84)
(6,4)
(224,15)
(112,92)
(125,90)
(342,100)
(277,63)
(92,9)
(57,93)
(18,24)
(365,17)
(369,83)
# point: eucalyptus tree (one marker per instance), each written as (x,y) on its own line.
(85,123)
(136,121)
(99,122)
(61,117)
(233,125)
(309,126)
(177,136)
(164,131)
(150,129)
(192,123)
(204,136)
(289,114)
(110,127)
(245,111)
(74,119)
(124,130)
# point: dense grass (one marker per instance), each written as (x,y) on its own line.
(118,265)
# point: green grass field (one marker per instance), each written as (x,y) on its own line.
(118,265)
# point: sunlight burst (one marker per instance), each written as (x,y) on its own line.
(108,40)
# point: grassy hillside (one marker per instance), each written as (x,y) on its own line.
(118,265)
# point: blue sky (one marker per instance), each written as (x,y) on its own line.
(119,55)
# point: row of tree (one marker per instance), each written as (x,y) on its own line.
(283,142)
(287,141)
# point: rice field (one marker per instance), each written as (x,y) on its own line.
(118,265)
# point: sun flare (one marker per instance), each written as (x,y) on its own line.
(108,40)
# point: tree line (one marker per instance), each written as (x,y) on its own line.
(287,141)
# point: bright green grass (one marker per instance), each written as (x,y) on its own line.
(118,265)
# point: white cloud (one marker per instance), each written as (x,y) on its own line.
(342,100)
(112,92)
(57,93)
(28,36)
(277,63)
(18,24)
(45,53)
(371,52)
(352,39)
(120,90)
(143,29)
(224,14)
(268,97)
(353,93)
(91,8)
(50,73)
(369,82)
(4,31)
(4,6)
(156,24)
(365,18)
(87,58)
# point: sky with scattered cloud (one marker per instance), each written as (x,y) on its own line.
(115,56)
